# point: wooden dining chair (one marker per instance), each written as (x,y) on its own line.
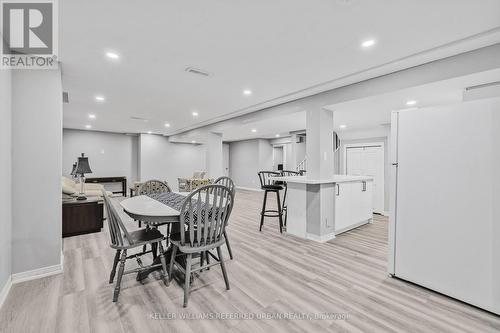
(205,213)
(151,187)
(123,240)
(227,182)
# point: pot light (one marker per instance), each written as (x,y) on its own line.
(112,55)
(100,98)
(277,135)
(412,102)
(167,125)
(368,43)
(254,130)
(195,114)
(247,92)
(91,116)
(342,126)
(88,126)
(193,141)
(149,132)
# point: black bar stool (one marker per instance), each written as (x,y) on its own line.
(287,173)
(269,185)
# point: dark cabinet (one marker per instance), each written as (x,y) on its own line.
(82,217)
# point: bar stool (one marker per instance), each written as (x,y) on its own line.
(269,185)
(287,173)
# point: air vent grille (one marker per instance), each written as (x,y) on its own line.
(198,71)
(65,97)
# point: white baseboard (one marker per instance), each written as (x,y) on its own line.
(322,238)
(5,291)
(248,188)
(37,273)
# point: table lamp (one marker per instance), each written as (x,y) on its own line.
(73,170)
(82,167)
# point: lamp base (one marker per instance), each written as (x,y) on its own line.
(81,197)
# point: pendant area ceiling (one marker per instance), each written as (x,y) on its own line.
(270,48)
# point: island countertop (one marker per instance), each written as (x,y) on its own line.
(333,179)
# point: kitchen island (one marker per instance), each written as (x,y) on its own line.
(320,209)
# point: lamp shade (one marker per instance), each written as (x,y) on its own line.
(83,167)
(73,169)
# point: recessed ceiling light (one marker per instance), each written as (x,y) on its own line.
(92,116)
(247,92)
(167,125)
(254,130)
(195,114)
(343,126)
(88,126)
(100,98)
(193,141)
(277,135)
(112,55)
(412,102)
(149,132)
(368,43)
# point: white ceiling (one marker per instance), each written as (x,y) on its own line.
(274,48)
(366,113)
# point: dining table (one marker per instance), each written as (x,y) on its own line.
(156,210)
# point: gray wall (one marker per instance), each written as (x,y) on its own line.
(5,177)
(247,158)
(164,160)
(36,169)
(110,154)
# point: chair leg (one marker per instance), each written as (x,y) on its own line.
(223,267)
(263,210)
(187,278)
(280,212)
(115,263)
(154,250)
(139,224)
(202,254)
(228,246)
(172,259)
(120,275)
(163,260)
(207,256)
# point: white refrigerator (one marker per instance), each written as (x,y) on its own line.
(444,229)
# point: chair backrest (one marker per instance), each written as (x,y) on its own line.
(266,177)
(227,182)
(289,173)
(117,231)
(206,211)
(153,186)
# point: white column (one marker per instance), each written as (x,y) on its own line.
(213,144)
(319,143)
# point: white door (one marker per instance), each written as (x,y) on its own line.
(277,157)
(225,159)
(368,161)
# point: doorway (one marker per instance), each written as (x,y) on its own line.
(278,158)
(368,160)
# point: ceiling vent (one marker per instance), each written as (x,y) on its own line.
(487,90)
(198,71)
(65,97)
(138,119)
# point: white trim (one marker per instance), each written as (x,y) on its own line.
(37,273)
(353,226)
(322,238)
(5,291)
(249,188)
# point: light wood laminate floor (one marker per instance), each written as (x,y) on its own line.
(271,273)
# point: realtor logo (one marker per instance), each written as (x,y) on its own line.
(29,39)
